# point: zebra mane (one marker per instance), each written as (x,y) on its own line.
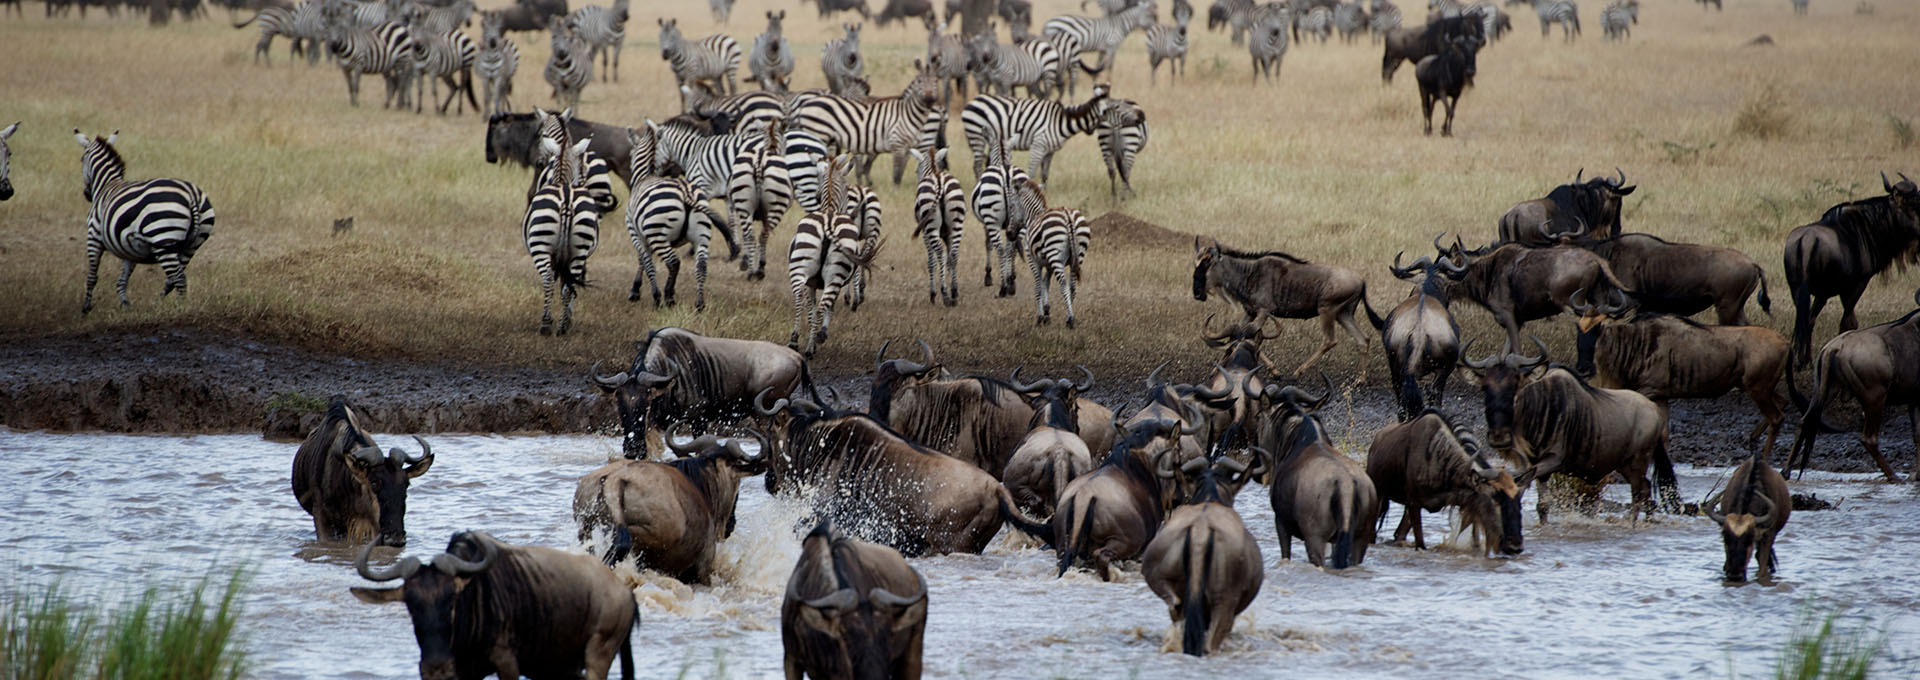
(1255,255)
(112,155)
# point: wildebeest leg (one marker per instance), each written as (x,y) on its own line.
(1286,540)
(1426,110)
(505,663)
(600,651)
(1636,474)
(1103,563)
(1873,414)
(1419,530)
(1326,329)
(1439,397)
(1316,549)
(1770,416)
(1847,300)
(1451,101)
(1506,320)
(1913,422)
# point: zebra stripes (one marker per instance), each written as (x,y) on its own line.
(560,231)
(821,259)
(939,218)
(309,29)
(570,67)
(1317,21)
(947,54)
(1386,17)
(155,221)
(441,57)
(1350,18)
(872,125)
(596,171)
(272,21)
(440,18)
(997,68)
(840,60)
(357,14)
(1075,35)
(714,57)
(1563,12)
(864,207)
(664,214)
(387,50)
(1056,243)
(1267,40)
(1122,134)
(1169,44)
(1002,218)
(498,61)
(1616,20)
(1041,126)
(605,30)
(759,191)
(771,62)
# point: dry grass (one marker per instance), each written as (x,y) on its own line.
(1328,164)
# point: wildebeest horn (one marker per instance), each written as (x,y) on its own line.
(833,396)
(1084,385)
(1324,396)
(1530,362)
(1708,506)
(368,455)
(880,356)
(758,399)
(1448,264)
(1616,302)
(733,446)
(926,358)
(425,452)
(1160,466)
(694,447)
(401,569)
(611,382)
(838,601)
(1576,176)
(452,565)
(1260,458)
(1193,465)
(1113,421)
(1484,468)
(1544,233)
(1153,379)
(1404,272)
(1211,394)
(1232,465)
(1578,302)
(1262,321)
(1623,178)
(1196,419)
(1481,365)
(886,597)
(1436,244)
(1025,387)
(1206,330)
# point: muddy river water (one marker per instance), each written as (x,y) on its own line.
(1590,598)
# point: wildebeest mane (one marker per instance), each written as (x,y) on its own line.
(700,373)
(1255,255)
(504,594)
(1546,399)
(1875,227)
(340,415)
(1578,203)
(696,469)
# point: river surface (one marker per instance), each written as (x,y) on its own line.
(1591,597)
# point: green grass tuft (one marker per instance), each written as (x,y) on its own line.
(1819,649)
(161,633)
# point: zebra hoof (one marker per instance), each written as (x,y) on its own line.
(1069,322)
(633,296)
(546,329)
(86,308)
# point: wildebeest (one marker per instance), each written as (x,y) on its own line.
(1591,209)
(522,17)
(1557,423)
(1204,563)
(852,610)
(1318,494)
(1670,357)
(1518,284)
(1229,393)
(670,515)
(1420,335)
(879,485)
(1841,252)
(1110,514)
(1414,44)
(353,491)
(1442,76)
(1052,454)
(679,376)
(1750,512)
(1428,464)
(485,607)
(1282,286)
(1682,278)
(977,419)
(1879,366)
(828,7)
(515,138)
(897,11)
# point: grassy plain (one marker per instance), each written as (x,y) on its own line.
(1730,145)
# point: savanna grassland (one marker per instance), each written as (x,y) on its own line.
(1729,145)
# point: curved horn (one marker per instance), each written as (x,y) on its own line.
(454,566)
(1193,465)
(1481,365)
(1709,506)
(1623,177)
(425,452)
(886,597)
(1153,379)
(1206,330)
(612,382)
(1160,466)
(1192,426)
(1399,271)
(926,360)
(1233,466)
(1578,302)
(1616,301)
(733,447)
(1576,176)
(880,356)
(1765,519)
(1260,458)
(1025,387)
(760,398)
(399,570)
(1211,394)
(838,601)
(1436,243)
(1328,394)
(1544,233)
(1448,264)
(833,396)
(692,448)
(1530,362)
(1261,322)
(1086,384)
(1484,468)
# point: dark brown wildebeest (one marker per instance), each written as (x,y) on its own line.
(1879,366)
(1750,512)
(1442,76)
(485,607)
(1518,284)
(1420,335)
(670,515)
(1186,407)
(354,492)
(681,377)
(1842,251)
(1683,278)
(1591,208)
(1415,43)
(519,17)
(978,419)
(1110,514)
(852,610)
(1052,454)
(1318,494)
(879,485)
(1204,563)
(1282,286)
(1427,464)
(515,138)
(1670,357)
(897,11)
(1229,393)
(828,7)
(1557,423)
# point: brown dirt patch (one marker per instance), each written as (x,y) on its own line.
(1128,231)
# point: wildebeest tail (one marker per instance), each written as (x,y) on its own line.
(466,83)
(1343,500)
(806,380)
(1011,513)
(1193,637)
(1373,317)
(1766,303)
(1800,402)
(1663,479)
(626,645)
(249,20)
(1079,538)
(1801,349)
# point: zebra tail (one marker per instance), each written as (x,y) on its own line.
(466,83)
(720,224)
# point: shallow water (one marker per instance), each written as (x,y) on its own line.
(1590,598)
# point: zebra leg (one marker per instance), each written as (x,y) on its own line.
(175,268)
(700,274)
(567,292)
(126,272)
(353,86)
(1042,163)
(953,268)
(646,267)
(899,165)
(739,211)
(1039,292)
(802,304)
(1007,248)
(616,60)
(933,274)
(1066,295)
(93,270)
(990,240)
(546,298)
(672,260)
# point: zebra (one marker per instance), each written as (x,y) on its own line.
(430,18)
(308,29)
(560,230)
(664,214)
(840,60)
(442,56)
(939,218)
(387,50)
(722,10)
(947,54)
(1386,17)
(1054,250)
(1494,21)
(596,171)
(272,21)
(1617,17)
(1002,218)
(357,14)
(155,221)
(745,113)
(1267,40)
(605,30)
(1317,21)
(1074,35)
(1034,65)
(1122,135)
(1232,14)
(759,190)
(570,68)
(706,160)
(825,250)
(1182,12)
(771,62)
(872,125)
(1169,44)
(863,205)
(716,56)
(1350,18)
(499,59)
(1564,12)
(1039,125)
(6,181)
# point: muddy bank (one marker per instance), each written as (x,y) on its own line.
(199,382)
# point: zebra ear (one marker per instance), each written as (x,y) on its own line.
(113,137)
(940,158)
(4,134)
(918,155)
(80,136)
(655,127)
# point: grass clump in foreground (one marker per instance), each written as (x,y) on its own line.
(161,633)
(1823,647)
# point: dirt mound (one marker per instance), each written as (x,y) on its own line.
(1125,230)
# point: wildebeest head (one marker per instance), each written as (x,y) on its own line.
(1496,501)
(1590,318)
(1056,403)
(1739,529)
(6,183)
(1500,378)
(1596,201)
(849,634)
(1217,479)
(511,137)
(634,391)
(430,593)
(1906,195)
(384,477)
(890,375)
(1205,251)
